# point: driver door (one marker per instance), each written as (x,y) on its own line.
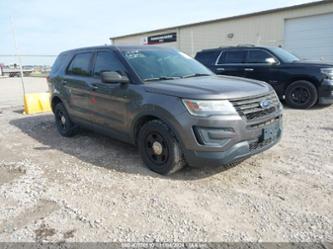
(259,66)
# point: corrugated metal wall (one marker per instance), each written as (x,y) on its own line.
(263,29)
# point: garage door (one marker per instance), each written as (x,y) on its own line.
(311,37)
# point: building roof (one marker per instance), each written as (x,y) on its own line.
(229,18)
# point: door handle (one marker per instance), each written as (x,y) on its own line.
(249,69)
(220,69)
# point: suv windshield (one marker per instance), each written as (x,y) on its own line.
(284,55)
(163,64)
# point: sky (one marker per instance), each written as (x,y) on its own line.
(46,27)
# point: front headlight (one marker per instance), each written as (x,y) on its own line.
(205,108)
(328,72)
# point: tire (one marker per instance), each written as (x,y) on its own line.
(301,94)
(159,148)
(64,125)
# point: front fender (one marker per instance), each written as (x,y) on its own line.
(165,108)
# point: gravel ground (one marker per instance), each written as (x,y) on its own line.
(93,188)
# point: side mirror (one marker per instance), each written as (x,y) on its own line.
(272,61)
(113,77)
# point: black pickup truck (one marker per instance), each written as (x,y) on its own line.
(302,84)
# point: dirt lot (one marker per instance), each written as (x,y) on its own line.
(93,188)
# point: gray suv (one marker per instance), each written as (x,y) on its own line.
(172,107)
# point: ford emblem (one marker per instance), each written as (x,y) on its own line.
(265,104)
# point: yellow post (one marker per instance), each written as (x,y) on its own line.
(36,103)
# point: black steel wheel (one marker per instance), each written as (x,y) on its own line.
(63,122)
(156,148)
(301,94)
(159,148)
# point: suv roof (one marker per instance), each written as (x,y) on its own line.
(115,47)
(236,47)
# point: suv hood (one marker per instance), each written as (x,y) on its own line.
(311,64)
(209,87)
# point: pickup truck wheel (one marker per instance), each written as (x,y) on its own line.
(301,94)
(159,148)
(63,123)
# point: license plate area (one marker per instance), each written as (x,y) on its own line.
(270,132)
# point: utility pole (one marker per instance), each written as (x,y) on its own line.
(17,55)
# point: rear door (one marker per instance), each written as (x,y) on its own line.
(110,100)
(231,62)
(76,83)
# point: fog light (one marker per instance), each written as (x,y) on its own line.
(213,136)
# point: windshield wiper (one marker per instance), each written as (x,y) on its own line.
(162,78)
(195,75)
(177,77)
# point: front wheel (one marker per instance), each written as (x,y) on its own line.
(159,148)
(301,94)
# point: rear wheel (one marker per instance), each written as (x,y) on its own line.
(301,94)
(159,148)
(64,124)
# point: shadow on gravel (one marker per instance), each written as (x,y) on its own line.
(99,150)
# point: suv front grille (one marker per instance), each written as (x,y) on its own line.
(251,108)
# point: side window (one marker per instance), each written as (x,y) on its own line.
(258,56)
(80,65)
(107,61)
(207,58)
(58,63)
(232,57)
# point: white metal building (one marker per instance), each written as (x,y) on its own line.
(306,30)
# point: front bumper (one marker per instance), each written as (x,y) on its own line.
(237,152)
(325,93)
(217,141)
